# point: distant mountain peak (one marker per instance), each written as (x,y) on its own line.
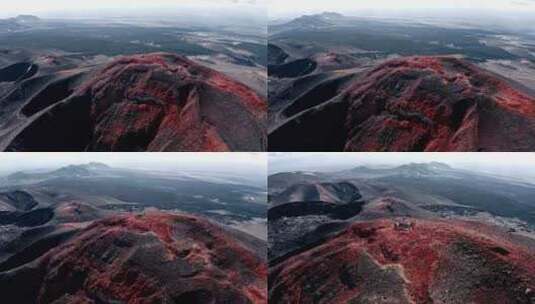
(362,168)
(439,165)
(422,169)
(331,15)
(83,169)
(313,21)
(17,176)
(27,18)
(433,164)
(72,169)
(96,165)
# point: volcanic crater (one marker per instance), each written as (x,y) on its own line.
(145,258)
(421,103)
(150,102)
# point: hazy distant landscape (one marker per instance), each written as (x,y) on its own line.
(123,190)
(92,41)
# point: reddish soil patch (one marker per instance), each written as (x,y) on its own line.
(424,262)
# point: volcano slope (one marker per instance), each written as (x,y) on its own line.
(150,102)
(408,234)
(298,212)
(145,258)
(418,262)
(422,103)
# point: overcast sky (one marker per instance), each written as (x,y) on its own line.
(286,8)
(51,8)
(238,163)
(276,8)
(506,164)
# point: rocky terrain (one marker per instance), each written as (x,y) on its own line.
(415,233)
(154,257)
(89,234)
(152,102)
(415,261)
(413,104)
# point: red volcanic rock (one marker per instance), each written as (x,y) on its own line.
(151,102)
(166,102)
(420,261)
(417,104)
(438,104)
(152,258)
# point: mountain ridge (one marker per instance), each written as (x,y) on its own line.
(420,103)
